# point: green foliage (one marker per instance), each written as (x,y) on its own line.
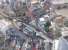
(47,25)
(57,35)
(66,23)
(1,40)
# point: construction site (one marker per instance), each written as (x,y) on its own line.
(33,24)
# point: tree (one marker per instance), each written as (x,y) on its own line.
(47,25)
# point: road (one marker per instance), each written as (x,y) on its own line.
(63,12)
